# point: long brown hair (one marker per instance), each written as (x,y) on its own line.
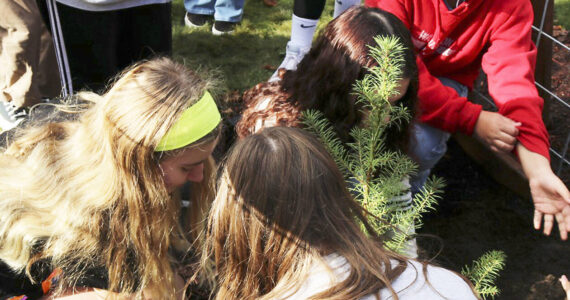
(281,205)
(325,77)
(88,193)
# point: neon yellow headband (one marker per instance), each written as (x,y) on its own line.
(194,123)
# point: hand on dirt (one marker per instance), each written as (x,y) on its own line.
(550,195)
(565,285)
(551,202)
(497,131)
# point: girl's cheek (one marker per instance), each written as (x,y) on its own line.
(196,174)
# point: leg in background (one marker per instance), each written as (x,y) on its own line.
(429,144)
(24,55)
(341,5)
(228,10)
(228,14)
(200,7)
(145,32)
(306,14)
(91,43)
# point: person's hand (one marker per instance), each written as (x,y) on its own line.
(565,285)
(497,131)
(550,196)
(551,202)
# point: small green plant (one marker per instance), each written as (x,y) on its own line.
(484,272)
(376,174)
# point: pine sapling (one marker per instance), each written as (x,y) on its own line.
(484,272)
(375,173)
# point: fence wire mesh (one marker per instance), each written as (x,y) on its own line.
(553,100)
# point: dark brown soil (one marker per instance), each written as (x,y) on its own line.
(476,215)
(559,125)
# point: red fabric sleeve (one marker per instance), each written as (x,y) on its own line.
(396,7)
(509,64)
(532,132)
(441,106)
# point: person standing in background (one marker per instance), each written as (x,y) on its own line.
(306,14)
(99,38)
(226,13)
(29,69)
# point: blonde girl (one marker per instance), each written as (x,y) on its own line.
(284,226)
(90,196)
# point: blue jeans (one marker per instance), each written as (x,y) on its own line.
(222,10)
(430,144)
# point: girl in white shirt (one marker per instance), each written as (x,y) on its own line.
(284,226)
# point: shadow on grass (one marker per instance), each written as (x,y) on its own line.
(246,57)
(251,53)
(243,59)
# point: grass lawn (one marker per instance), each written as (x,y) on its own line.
(249,55)
(244,58)
(562,13)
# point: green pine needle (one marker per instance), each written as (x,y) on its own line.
(375,174)
(485,271)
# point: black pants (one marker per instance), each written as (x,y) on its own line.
(100,44)
(308,9)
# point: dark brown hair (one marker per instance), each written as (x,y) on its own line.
(282,204)
(325,77)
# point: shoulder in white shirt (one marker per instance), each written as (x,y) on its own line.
(411,284)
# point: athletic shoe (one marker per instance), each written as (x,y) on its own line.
(222,27)
(195,20)
(293,56)
(10,115)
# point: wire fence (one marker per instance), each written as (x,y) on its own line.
(559,152)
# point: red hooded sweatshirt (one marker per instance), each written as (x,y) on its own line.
(492,34)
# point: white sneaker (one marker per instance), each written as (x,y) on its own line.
(195,20)
(10,115)
(293,56)
(222,27)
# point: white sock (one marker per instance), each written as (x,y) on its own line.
(302,31)
(341,5)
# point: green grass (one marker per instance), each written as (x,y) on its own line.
(242,57)
(259,42)
(562,13)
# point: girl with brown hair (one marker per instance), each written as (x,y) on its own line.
(324,81)
(90,196)
(284,226)
(325,77)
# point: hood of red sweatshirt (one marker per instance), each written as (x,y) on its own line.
(447,20)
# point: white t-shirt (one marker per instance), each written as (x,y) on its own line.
(410,285)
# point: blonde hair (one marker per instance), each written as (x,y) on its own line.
(282,205)
(89,192)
